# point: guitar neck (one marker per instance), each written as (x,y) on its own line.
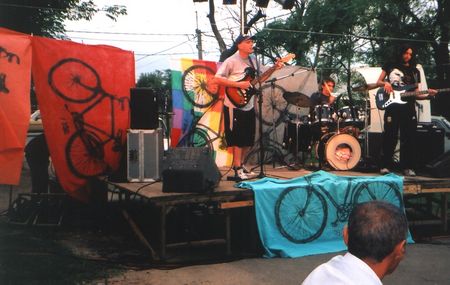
(414,93)
(263,76)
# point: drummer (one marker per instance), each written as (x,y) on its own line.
(325,95)
(324,98)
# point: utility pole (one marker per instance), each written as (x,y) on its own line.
(199,39)
(199,43)
(242,10)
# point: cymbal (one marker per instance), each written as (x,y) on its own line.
(365,87)
(297,98)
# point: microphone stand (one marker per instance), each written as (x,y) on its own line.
(272,84)
(260,121)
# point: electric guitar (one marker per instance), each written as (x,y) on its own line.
(383,99)
(241,97)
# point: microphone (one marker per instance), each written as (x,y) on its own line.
(256,49)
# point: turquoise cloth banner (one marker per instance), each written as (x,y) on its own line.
(306,215)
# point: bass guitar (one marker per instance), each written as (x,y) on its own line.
(241,97)
(384,99)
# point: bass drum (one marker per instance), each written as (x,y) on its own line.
(340,151)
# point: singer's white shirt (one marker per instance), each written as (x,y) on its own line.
(343,270)
(233,68)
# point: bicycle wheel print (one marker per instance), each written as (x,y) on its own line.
(74,80)
(273,105)
(272,154)
(196,87)
(369,191)
(196,138)
(85,155)
(301,214)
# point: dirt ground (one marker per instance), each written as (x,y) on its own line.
(95,245)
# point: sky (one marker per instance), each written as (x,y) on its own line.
(161,31)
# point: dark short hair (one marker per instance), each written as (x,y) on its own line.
(326,80)
(374,229)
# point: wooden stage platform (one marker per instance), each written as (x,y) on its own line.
(227,197)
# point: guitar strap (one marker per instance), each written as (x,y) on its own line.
(231,109)
(252,65)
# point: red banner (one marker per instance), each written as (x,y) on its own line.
(83,94)
(15,66)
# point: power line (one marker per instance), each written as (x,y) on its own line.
(158,53)
(174,53)
(122,40)
(34,7)
(128,33)
(350,35)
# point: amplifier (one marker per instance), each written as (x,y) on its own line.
(429,143)
(144,155)
(143,108)
(440,166)
(189,169)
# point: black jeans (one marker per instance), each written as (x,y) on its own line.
(400,117)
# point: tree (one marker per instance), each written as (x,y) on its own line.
(160,82)
(46,17)
(332,36)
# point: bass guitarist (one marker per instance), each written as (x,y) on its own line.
(401,74)
(239,119)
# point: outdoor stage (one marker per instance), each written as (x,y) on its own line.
(228,197)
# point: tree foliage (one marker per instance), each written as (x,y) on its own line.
(330,33)
(46,17)
(333,36)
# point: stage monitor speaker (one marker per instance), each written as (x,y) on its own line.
(143,109)
(440,166)
(189,170)
(429,144)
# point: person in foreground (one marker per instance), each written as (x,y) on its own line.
(376,239)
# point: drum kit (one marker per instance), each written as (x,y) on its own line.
(328,134)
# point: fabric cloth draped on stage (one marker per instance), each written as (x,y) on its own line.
(305,215)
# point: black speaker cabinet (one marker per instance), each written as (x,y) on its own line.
(143,109)
(440,166)
(430,144)
(374,147)
(189,170)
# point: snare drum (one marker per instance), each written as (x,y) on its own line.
(341,151)
(322,114)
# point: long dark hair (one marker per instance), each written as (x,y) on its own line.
(401,50)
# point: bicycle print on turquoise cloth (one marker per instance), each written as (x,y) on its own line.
(306,215)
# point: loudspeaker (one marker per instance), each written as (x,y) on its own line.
(189,170)
(440,166)
(143,109)
(429,143)
(374,146)
(144,155)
